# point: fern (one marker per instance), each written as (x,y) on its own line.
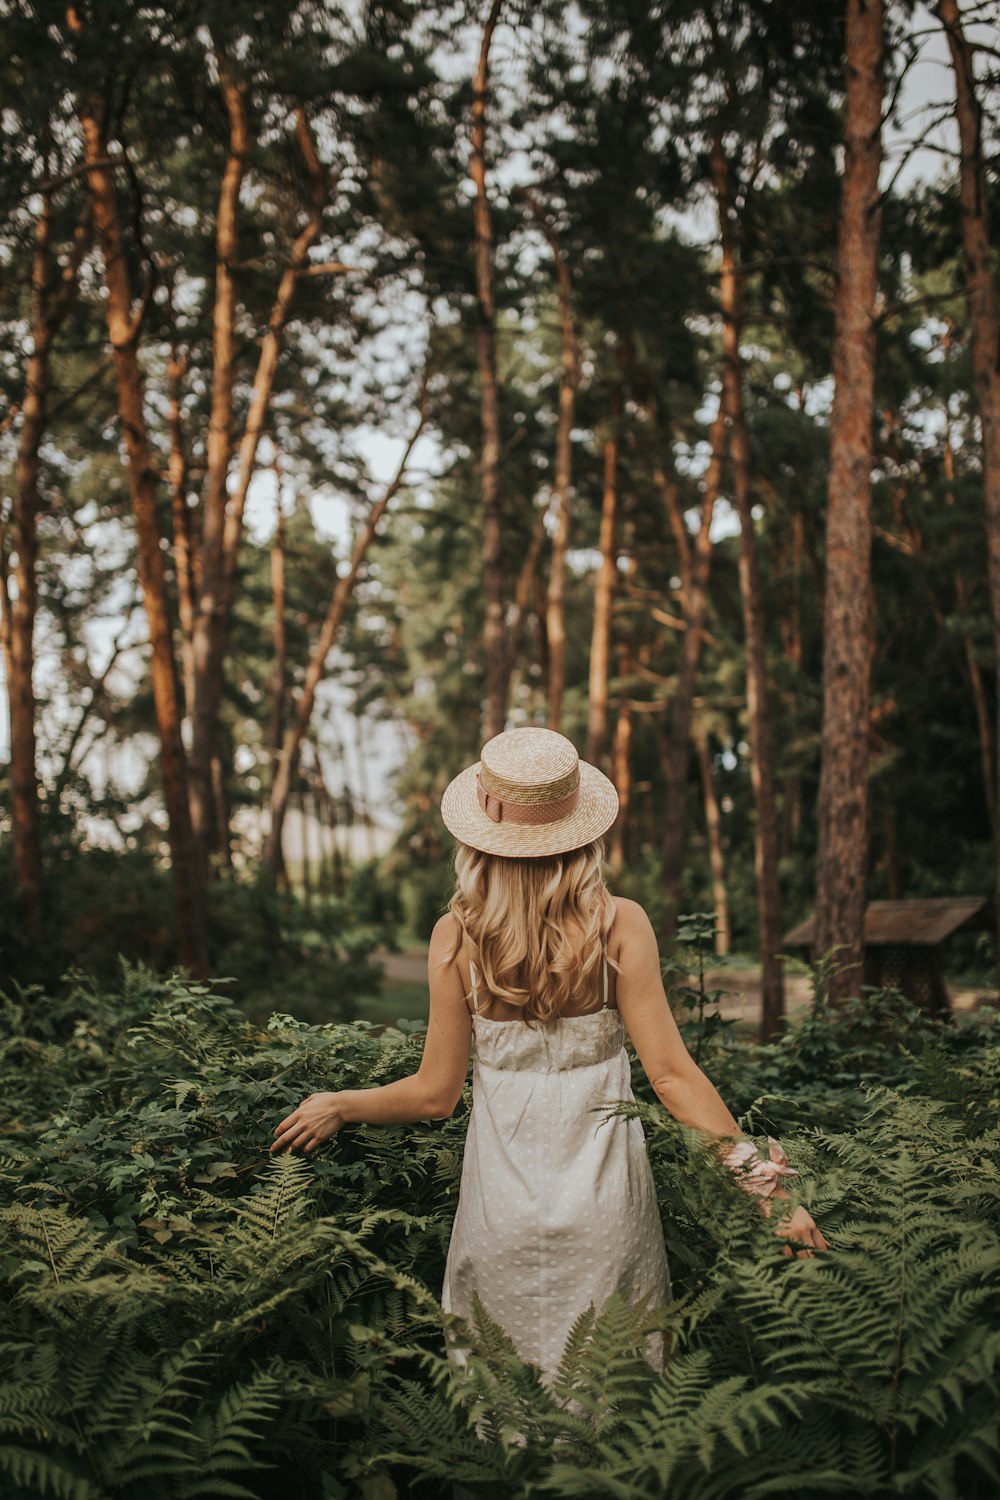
(182,1310)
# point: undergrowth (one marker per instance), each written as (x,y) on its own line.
(184,1315)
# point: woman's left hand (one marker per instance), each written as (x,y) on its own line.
(799,1227)
(317,1118)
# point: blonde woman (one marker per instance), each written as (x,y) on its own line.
(546,973)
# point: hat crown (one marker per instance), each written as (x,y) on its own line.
(530,765)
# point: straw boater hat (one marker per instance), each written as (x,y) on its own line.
(529,794)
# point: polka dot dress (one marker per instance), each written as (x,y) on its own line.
(556,1209)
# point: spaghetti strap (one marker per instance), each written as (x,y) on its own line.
(605,1005)
(475,992)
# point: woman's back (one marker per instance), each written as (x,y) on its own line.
(556,1210)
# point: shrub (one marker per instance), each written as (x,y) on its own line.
(185,1315)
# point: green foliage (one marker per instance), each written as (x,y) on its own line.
(185,1315)
(316,958)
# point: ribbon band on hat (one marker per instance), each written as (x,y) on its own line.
(502,809)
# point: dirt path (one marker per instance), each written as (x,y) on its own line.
(741,986)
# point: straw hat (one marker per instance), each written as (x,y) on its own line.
(529,794)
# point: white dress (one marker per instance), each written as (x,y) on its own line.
(556,1209)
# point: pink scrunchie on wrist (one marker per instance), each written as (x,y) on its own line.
(763,1177)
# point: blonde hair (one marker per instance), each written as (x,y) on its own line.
(512,921)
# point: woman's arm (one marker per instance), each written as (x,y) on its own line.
(678,1082)
(431,1093)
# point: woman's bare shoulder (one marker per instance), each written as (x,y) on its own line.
(631,918)
(445,943)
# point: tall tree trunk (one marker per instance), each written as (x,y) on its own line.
(621,746)
(207,621)
(751,595)
(220,806)
(220,552)
(604,590)
(713,827)
(280,648)
(366,801)
(522,598)
(53,290)
(984,328)
(22,610)
(555,612)
(971,664)
(842,854)
(791,806)
(695,568)
(181,518)
(123,331)
(287,764)
(891,851)
(494,636)
(303,801)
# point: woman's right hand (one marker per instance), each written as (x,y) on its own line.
(800,1227)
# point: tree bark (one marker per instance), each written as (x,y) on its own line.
(181,519)
(279,643)
(713,827)
(984,330)
(522,598)
(123,331)
(223,522)
(983,725)
(494,635)
(791,806)
(695,566)
(52,293)
(604,591)
(287,763)
(220,806)
(842,854)
(22,610)
(555,612)
(621,747)
(751,596)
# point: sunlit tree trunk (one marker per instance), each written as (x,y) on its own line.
(555,611)
(842,854)
(695,565)
(53,289)
(22,609)
(791,806)
(123,329)
(604,591)
(181,519)
(983,725)
(280,648)
(713,827)
(984,329)
(621,746)
(522,599)
(494,635)
(752,599)
(222,529)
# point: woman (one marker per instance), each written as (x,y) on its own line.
(545,972)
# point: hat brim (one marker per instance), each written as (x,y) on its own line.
(595,812)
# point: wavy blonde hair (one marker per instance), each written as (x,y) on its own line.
(512,921)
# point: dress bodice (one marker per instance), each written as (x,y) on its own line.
(549,1047)
(553,1046)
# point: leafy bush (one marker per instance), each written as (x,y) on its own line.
(103,905)
(184,1315)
